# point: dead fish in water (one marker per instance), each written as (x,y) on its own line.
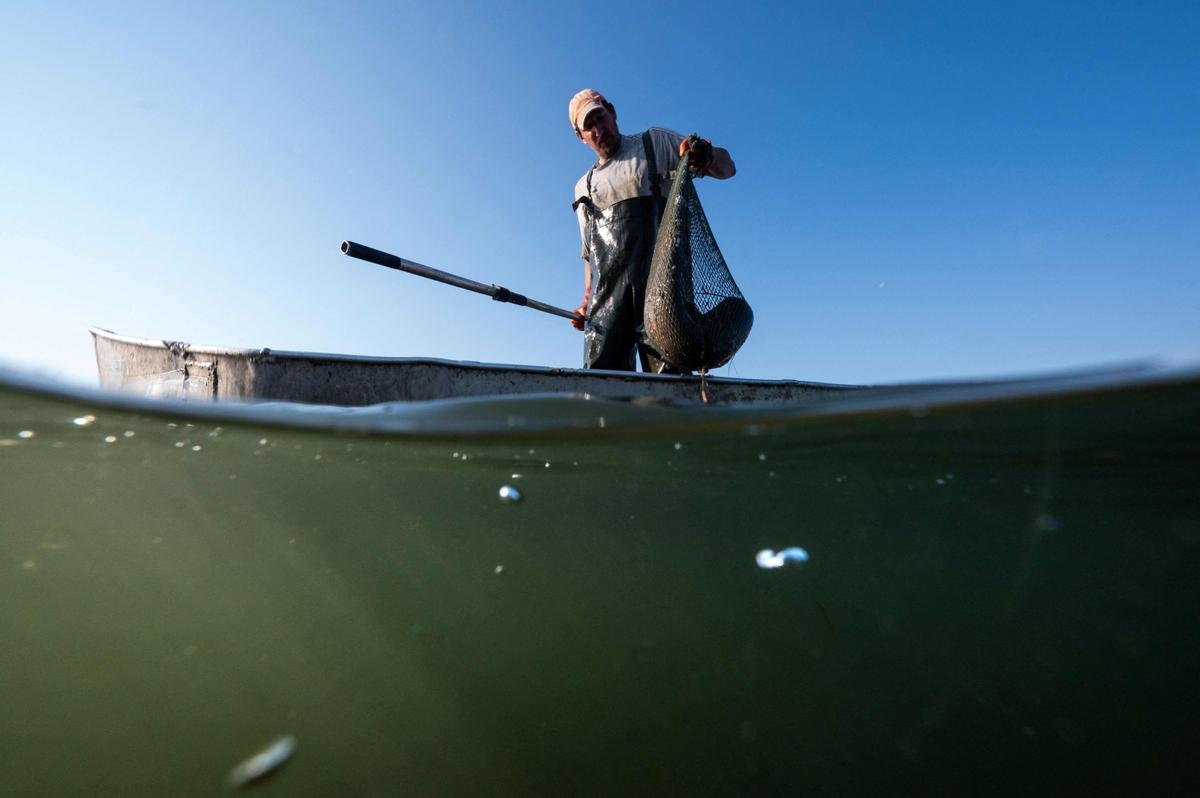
(265,761)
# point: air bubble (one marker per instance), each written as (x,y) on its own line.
(769,559)
(1047,523)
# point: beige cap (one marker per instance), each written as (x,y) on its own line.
(583,104)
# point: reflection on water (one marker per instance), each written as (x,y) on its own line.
(1001,599)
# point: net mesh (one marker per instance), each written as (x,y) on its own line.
(695,315)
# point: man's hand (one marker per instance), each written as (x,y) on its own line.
(580,316)
(701,150)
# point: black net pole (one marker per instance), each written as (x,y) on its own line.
(496,292)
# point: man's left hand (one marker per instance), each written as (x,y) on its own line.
(701,150)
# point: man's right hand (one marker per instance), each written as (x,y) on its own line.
(580,316)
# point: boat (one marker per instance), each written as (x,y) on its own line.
(178,370)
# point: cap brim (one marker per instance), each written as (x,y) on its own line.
(582,113)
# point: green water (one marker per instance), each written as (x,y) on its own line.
(1000,598)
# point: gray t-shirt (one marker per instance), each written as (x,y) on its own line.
(627,174)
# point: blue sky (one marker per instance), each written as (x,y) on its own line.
(924,189)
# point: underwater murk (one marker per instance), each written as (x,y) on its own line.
(988,594)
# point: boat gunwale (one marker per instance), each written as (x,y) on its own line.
(267,352)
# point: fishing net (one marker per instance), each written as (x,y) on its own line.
(695,315)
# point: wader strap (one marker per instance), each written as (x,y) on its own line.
(655,177)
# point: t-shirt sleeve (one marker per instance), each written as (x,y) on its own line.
(581,214)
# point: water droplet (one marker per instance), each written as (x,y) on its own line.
(547,464)
(770,559)
(678,445)
(129,433)
(531,451)
(262,441)
(509,494)
(180,444)
(197,448)
(499,569)
(110,438)
(455,455)
(316,457)
(25,434)
(83,421)
(762,456)
(940,481)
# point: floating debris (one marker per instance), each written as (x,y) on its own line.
(767,558)
(264,762)
(509,494)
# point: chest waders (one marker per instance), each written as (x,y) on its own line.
(620,243)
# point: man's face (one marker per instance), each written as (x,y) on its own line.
(600,132)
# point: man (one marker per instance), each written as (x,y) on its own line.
(619,202)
